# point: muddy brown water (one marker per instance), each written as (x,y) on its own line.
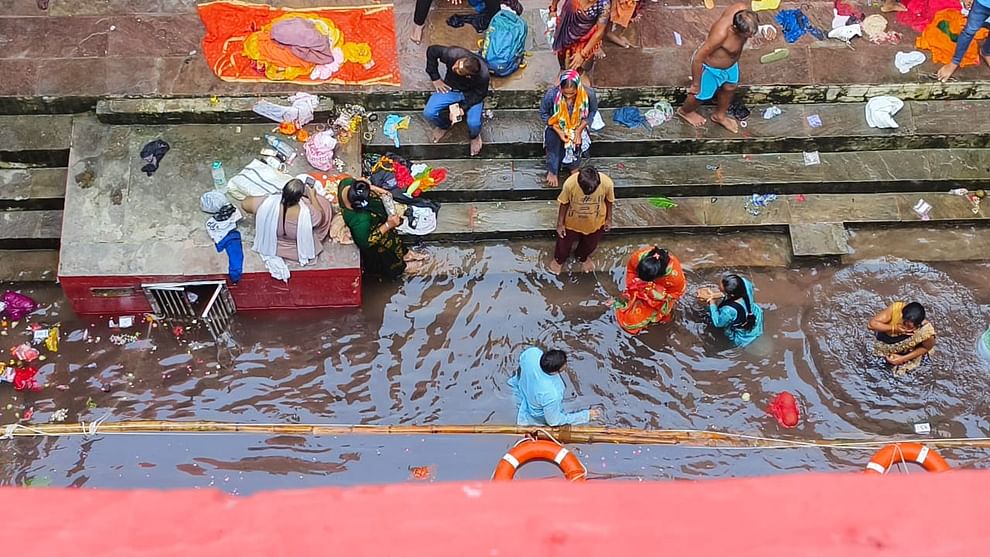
(439,349)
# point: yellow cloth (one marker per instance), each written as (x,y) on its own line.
(765,5)
(585,213)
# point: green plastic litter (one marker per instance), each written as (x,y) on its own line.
(662,202)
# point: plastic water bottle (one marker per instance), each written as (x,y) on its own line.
(285,150)
(219,178)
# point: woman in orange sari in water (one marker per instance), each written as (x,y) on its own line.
(654,283)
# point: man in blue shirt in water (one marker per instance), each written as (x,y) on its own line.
(539,390)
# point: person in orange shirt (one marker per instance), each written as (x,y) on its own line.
(654,283)
(585,214)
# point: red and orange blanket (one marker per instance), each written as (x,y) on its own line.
(348,45)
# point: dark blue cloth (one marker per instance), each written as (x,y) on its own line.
(628,116)
(795,24)
(231,243)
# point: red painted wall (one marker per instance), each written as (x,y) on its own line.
(332,288)
(836,515)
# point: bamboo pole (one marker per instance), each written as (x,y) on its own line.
(567,434)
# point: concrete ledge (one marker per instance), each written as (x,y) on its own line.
(202,109)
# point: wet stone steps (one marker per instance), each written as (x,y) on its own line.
(34,151)
(518,219)
(692,175)
(519,133)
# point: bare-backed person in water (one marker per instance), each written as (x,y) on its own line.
(715,68)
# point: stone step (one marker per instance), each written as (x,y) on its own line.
(35,140)
(32,188)
(519,133)
(28,265)
(30,229)
(524,219)
(692,175)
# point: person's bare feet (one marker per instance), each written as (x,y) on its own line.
(552,180)
(417,34)
(693,118)
(555,267)
(476,146)
(439,133)
(413,255)
(726,121)
(893,6)
(615,38)
(588,266)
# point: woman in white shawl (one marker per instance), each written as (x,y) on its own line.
(292,225)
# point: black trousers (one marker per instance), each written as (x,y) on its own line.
(423,8)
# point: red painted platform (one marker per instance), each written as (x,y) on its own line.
(813,515)
(123,229)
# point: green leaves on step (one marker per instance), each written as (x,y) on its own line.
(662,202)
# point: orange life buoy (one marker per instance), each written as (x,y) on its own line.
(529,450)
(906,452)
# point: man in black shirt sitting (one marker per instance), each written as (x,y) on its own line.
(460,93)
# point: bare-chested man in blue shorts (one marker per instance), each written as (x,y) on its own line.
(715,68)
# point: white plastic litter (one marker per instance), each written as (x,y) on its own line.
(907,60)
(597,123)
(771,112)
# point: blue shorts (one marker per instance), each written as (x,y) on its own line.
(713,78)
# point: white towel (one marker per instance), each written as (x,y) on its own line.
(266,234)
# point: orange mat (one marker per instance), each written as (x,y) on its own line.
(941,46)
(229,23)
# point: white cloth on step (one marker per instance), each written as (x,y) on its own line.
(880,111)
(907,60)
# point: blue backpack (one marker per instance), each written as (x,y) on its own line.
(504,45)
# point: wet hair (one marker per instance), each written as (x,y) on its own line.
(292,192)
(589,179)
(552,361)
(653,265)
(913,312)
(746,22)
(358,194)
(471,65)
(735,289)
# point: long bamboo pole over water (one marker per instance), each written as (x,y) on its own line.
(567,434)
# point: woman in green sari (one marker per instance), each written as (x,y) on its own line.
(373,229)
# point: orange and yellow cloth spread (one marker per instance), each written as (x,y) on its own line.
(939,37)
(239,47)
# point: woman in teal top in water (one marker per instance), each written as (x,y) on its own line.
(737,314)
